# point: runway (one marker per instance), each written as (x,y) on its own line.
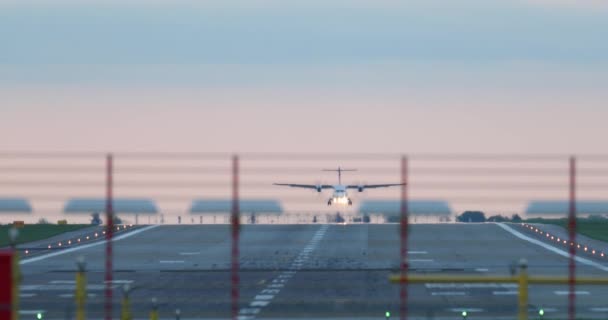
(309,272)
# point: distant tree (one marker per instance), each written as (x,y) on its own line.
(116,219)
(95,220)
(43,221)
(472,216)
(314,219)
(497,218)
(366,219)
(516,218)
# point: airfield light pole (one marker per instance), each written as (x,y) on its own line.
(572,238)
(235,237)
(404,236)
(109,234)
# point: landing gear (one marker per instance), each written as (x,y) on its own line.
(350,202)
(329,202)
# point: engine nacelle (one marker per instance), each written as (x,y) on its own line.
(319,188)
(360,188)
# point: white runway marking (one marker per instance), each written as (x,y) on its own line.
(273,288)
(270,291)
(482,270)
(466,309)
(421,260)
(31,312)
(599,309)
(449,293)
(469,285)
(27,295)
(249,311)
(63,282)
(85,246)
(505,293)
(172,261)
(553,249)
(189,253)
(417,252)
(566,292)
(119,281)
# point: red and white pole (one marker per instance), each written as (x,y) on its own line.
(572,239)
(404,236)
(109,234)
(235,222)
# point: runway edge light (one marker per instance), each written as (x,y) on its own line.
(541,313)
(387,314)
(464,314)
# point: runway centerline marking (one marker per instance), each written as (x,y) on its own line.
(274,286)
(85,246)
(551,248)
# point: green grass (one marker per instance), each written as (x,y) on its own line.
(592,228)
(35,232)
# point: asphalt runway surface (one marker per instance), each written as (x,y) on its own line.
(308,272)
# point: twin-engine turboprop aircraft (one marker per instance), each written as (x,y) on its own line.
(339,196)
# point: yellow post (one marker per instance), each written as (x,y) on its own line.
(125,313)
(81,289)
(523,290)
(154,311)
(12,235)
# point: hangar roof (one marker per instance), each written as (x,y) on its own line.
(563,206)
(120,205)
(15,205)
(266,206)
(415,207)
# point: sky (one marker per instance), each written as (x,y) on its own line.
(466,76)
(518,76)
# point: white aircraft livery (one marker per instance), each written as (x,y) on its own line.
(339,196)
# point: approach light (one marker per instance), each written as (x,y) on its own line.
(541,313)
(387,314)
(464,314)
(39,315)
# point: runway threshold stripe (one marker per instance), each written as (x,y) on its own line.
(85,246)
(552,249)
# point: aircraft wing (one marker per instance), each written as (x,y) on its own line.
(306,186)
(371,186)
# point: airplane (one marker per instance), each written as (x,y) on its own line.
(340,195)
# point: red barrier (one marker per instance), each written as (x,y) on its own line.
(235,222)
(404,235)
(109,235)
(6,284)
(572,236)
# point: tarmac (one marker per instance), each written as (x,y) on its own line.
(309,271)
